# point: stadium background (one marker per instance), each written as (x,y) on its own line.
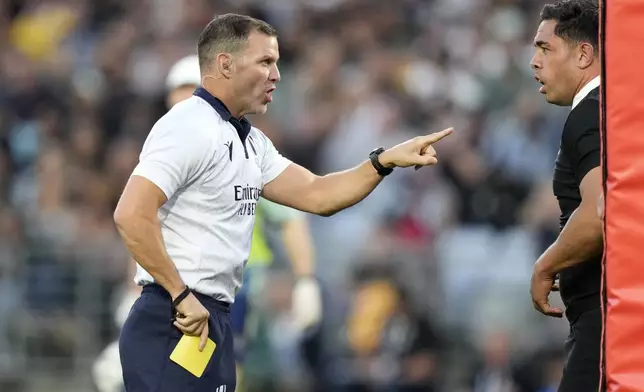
(446,252)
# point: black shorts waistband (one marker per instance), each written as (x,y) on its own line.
(206,300)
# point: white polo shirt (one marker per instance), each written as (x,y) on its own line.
(212,168)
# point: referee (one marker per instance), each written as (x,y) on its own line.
(188,210)
(566,64)
(247,317)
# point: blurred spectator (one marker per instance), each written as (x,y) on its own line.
(495,373)
(390,344)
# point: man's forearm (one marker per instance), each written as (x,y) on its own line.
(579,241)
(299,247)
(143,239)
(341,190)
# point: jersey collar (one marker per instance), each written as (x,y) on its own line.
(590,86)
(242,126)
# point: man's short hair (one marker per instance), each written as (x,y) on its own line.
(577,20)
(228,33)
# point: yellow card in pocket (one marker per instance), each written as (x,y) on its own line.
(188,356)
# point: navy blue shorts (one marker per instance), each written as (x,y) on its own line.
(238,313)
(148,337)
(239,310)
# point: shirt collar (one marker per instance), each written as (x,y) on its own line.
(590,86)
(242,126)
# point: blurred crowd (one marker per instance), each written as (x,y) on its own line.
(426,281)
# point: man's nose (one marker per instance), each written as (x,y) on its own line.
(275,75)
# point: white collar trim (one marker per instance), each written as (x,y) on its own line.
(590,86)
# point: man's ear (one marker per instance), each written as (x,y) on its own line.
(586,55)
(225,65)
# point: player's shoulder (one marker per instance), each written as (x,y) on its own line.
(185,129)
(257,133)
(194,112)
(583,119)
(585,115)
(189,117)
(258,136)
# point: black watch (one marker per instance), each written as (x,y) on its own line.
(383,171)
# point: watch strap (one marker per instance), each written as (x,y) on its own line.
(373,157)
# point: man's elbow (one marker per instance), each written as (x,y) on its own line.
(312,200)
(120,219)
(327,213)
(125,218)
(323,207)
(319,208)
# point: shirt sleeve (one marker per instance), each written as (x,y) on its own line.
(271,161)
(581,138)
(171,160)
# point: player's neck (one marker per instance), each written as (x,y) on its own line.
(224,95)
(587,78)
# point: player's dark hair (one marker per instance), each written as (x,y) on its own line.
(577,20)
(228,33)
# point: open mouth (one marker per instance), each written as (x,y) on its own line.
(269,94)
(543,85)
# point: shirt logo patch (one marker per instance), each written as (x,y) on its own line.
(247,197)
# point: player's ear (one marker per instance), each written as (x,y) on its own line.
(224,65)
(586,55)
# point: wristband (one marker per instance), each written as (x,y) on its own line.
(181,297)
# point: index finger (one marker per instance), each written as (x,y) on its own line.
(204,337)
(554,312)
(436,136)
(187,321)
(545,308)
